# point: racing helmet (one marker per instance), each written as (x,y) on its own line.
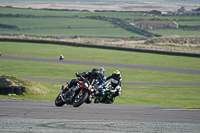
(116,73)
(102,70)
(95,72)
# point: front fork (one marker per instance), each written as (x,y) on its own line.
(61,93)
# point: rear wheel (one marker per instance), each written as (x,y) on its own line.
(58,101)
(111,100)
(80,98)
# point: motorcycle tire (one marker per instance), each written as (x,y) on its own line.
(96,100)
(89,100)
(79,101)
(111,100)
(59,102)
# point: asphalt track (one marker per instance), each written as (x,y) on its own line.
(42,116)
(101,64)
(113,65)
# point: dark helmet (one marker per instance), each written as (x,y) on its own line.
(95,72)
(116,73)
(102,70)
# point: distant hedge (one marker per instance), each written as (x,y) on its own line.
(5,26)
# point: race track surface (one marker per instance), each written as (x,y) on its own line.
(42,116)
(114,65)
(101,64)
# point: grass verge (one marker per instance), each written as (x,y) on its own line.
(53,51)
(29,69)
(171,96)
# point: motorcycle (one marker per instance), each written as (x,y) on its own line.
(108,98)
(76,95)
(61,57)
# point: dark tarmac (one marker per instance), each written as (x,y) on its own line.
(43,116)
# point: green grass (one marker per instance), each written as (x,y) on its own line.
(15,11)
(55,22)
(59,23)
(121,15)
(52,51)
(171,32)
(64,27)
(72,32)
(66,71)
(189,23)
(50,95)
(171,96)
(176,96)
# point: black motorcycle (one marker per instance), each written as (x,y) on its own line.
(108,98)
(76,95)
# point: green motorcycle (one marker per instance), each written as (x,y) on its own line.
(108,98)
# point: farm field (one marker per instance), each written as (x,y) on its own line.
(177,96)
(35,12)
(53,23)
(56,23)
(189,23)
(169,32)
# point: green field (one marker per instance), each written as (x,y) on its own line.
(97,55)
(55,23)
(121,15)
(189,23)
(176,96)
(171,96)
(77,25)
(63,71)
(171,32)
(33,12)
(73,32)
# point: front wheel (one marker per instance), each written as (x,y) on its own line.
(111,100)
(80,98)
(97,100)
(58,101)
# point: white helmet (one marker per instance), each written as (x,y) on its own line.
(102,70)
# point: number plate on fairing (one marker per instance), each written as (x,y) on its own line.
(114,81)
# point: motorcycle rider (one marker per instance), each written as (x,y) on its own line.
(116,80)
(94,74)
(61,57)
(101,81)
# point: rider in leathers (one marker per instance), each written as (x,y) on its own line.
(94,74)
(90,76)
(116,80)
(101,81)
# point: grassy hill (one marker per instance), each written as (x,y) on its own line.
(177,96)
